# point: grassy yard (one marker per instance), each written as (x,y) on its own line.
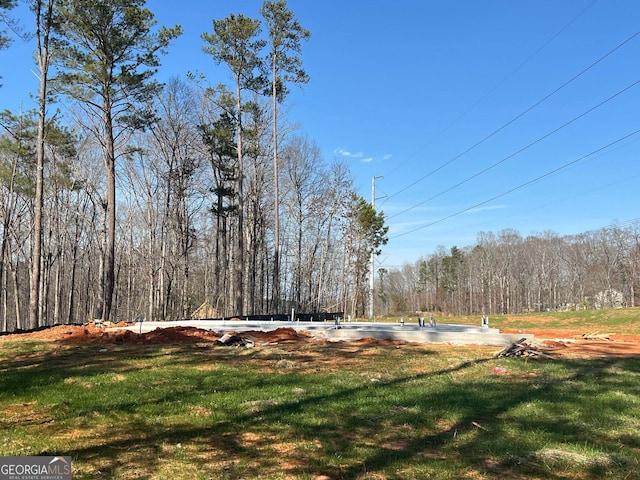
(623,320)
(318,411)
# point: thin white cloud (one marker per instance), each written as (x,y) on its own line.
(357,155)
(347,153)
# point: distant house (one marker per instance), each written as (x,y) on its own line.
(609,298)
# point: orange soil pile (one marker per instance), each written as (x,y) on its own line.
(95,334)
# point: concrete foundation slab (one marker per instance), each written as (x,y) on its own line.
(442,333)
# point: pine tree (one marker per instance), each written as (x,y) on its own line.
(235,42)
(107,54)
(285,36)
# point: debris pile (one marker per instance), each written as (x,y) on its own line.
(232,340)
(595,336)
(521,348)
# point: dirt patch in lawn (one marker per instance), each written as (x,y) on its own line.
(556,342)
(571,343)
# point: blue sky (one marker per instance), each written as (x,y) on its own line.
(478,115)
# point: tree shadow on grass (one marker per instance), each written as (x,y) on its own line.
(482,438)
(441,423)
(223,446)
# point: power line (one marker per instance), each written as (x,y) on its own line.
(517,117)
(607,186)
(496,86)
(522,185)
(519,151)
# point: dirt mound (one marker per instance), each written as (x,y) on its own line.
(279,335)
(92,333)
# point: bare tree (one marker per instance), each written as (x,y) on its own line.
(259,205)
(177,145)
(16,187)
(303,173)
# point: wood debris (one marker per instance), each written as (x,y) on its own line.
(594,336)
(521,348)
(231,340)
(477,425)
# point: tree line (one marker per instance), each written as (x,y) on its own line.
(146,200)
(507,273)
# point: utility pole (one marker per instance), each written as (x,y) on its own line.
(372,266)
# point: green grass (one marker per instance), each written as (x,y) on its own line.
(311,411)
(622,320)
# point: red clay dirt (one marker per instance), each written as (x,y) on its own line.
(571,343)
(92,333)
(565,343)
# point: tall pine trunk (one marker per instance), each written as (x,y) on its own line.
(109,254)
(238,266)
(43,27)
(276,195)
